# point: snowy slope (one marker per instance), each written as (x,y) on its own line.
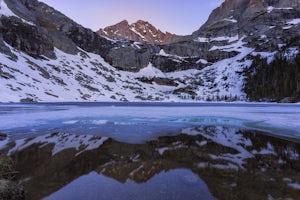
(87,77)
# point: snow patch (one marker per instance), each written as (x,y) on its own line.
(70,122)
(150,71)
(291,24)
(231,20)
(271,8)
(203,61)
(223,38)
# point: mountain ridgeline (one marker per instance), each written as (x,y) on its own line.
(140,31)
(46,56)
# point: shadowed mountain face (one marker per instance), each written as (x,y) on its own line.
(140,31)
(233,163)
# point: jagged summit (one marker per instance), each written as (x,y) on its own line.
(140,31)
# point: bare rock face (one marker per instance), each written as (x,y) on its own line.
(252,19)
(129,57)
(262,25)
(26,38)
(140,31)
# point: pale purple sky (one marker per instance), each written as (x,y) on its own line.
(176,16)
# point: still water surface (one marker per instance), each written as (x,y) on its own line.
(154,150)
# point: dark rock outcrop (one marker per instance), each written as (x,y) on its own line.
(130,58)
(26,38)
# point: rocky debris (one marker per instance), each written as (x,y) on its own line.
(140,31)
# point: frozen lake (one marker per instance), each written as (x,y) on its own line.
(139,122)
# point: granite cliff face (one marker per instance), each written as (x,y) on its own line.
(253,19)
(140,31)
(262,25)
(72,63)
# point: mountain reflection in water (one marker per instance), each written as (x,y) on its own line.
(175,184)
(202,162)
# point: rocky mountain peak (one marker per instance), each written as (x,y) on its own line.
(243,17)
(140,31)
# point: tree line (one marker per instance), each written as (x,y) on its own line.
(276,81)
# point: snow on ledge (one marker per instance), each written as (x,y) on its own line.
(231,20)
(294,21)
(271,8)
(218,39)
(291,23)
(4,10)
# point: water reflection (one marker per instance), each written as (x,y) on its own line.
(176,184)
(234,164)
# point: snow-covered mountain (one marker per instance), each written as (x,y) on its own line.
(140,31)
(45,56)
